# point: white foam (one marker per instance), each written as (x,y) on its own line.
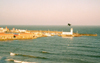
(17,61)
(44,52)
(28,62)
(10,59)
(12,54)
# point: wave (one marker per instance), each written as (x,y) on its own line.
(18,61)
(45,52)
(93,51)
(2,51)
(13,54)
(96,56)
(88,46)
(36,51)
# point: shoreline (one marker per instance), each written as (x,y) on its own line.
(17,34)
(33,34)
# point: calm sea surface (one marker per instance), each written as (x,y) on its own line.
(54,49)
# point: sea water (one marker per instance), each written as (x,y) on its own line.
(54,49)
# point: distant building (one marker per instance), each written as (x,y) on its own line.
(13,29)
(22,30)
(3,29)
(68,33)
(7,29)
(17,30)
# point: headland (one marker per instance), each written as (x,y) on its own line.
(18,34)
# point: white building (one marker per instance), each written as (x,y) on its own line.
(68,33)
(22,30)
(18,30)
(3,29)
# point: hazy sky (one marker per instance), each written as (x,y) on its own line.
(49,12)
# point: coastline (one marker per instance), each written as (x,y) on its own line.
(20,34)
(33,34)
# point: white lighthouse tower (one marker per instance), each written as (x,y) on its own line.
(71,31)
(68,33)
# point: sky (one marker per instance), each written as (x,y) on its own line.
(49,12)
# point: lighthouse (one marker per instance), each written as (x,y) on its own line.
(71,31)
(68,33)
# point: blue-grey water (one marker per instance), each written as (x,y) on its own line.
(55,49)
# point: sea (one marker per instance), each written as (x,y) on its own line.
(53,49)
